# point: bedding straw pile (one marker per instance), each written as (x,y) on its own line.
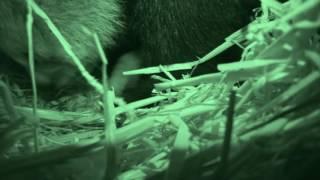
(258,118)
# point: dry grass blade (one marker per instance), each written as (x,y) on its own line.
(179,151)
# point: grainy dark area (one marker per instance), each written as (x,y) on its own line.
(166,32)
(172,31)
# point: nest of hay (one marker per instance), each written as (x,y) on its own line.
(256,118)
